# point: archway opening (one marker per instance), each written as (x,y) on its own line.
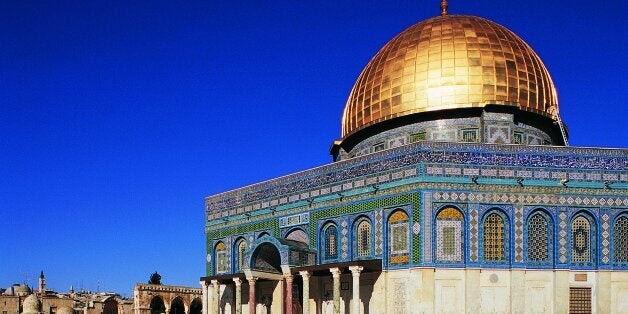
(177,307)
(196,307)
(110,306)
(157,306)
(266,258)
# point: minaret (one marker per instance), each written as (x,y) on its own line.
(42,283)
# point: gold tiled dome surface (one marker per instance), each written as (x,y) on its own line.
(447,62)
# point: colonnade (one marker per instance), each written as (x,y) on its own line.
(211,292)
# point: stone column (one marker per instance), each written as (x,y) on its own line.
(216,304)
(238,295)
(252,295)
(355,303)
(288,297)
(204,298)
(306,291)
(335,272)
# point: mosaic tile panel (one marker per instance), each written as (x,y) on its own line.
(606,241)
(518,234)
(331,243)
(422,153)
(427,227)
(581,240)
(379,236)
(538,238)
(448,240)
(363,238)
(344,236)
(408,198)
(494,238)
(473,233)
(621,240)
(244,228)
(416,236)
(562,237)
(538,199)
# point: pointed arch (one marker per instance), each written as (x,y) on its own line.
(298,234)
(583,239)
(540,237)
(177,306)
(220,257)
(398,237)
(363,235)
(329,242)
(620,238)
(157,305)
(495,236)
(239,248)
(449,236)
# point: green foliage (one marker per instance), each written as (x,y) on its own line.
(155,279)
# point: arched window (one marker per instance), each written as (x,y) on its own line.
(398,238)
(581,241)
(620,240)
(240,254)
(449,235)
(298,235)
(539,238)
(221,258)
(494,238)
(330,245)
(363,234)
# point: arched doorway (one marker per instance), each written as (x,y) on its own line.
(196,307)
(110,306)
(266,258)
(157,306)
(176,306)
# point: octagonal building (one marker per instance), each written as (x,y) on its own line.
(452,190)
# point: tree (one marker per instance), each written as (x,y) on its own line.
(155,279)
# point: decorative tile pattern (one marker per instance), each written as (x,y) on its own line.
(620,232)
(331,243)
(344,246)
(518,233)
(399,242)
(427,227)
(562,237)
(606,240)
(379,236)
(364,238)
(494,238)
(581,240)
(572,158)
(294,220)
(538,238)
(473,233)
(449,240)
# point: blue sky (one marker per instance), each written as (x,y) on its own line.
(117,118)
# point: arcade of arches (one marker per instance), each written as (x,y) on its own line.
(158,299)
(271,286)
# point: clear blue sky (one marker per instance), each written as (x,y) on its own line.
(117,118)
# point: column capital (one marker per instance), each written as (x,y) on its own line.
(252,280)
(215,282)
(287,277)
(238,281)
(305,274)
(356,270)
(335,272)
(203,284)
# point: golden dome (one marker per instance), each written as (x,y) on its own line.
(448,62)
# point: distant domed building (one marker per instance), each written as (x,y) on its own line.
(31,305)
(453,190)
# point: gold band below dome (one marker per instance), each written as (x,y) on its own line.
(449,62)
